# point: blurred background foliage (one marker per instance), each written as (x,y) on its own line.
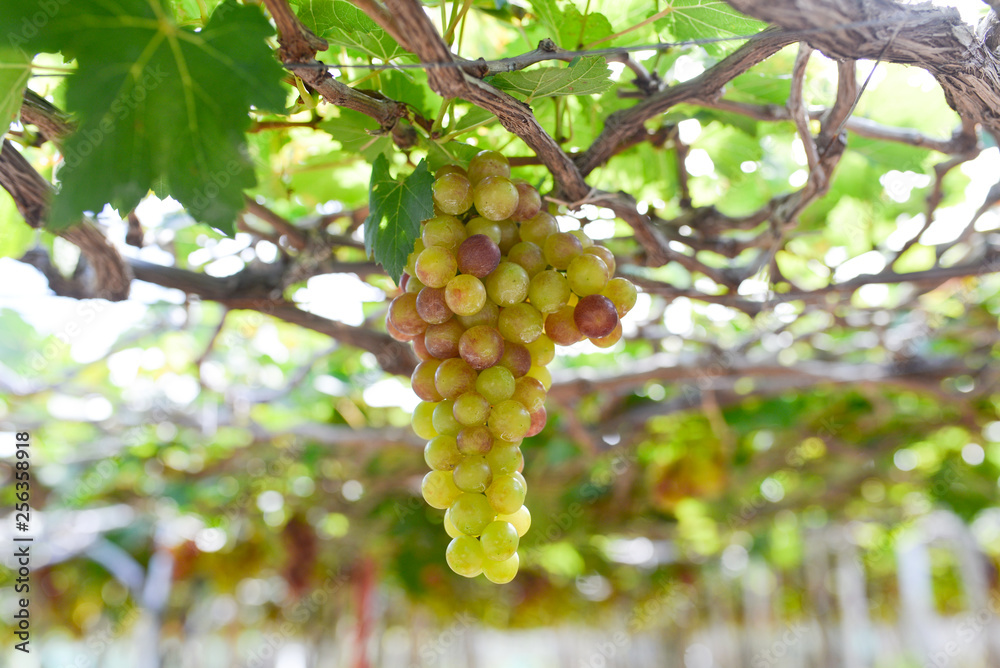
(266,474)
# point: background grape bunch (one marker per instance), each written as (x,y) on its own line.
(490,288)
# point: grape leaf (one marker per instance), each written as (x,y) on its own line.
(359,134)
(590,75)
(577,30)
(159,106)
(397,208)
(190,11)
(449,153)
(405,87)
(339,22)
(15,66)
(548,15)
(474,117)
(701,19)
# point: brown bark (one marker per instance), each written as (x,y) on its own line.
(934,38)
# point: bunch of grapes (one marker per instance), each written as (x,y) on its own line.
(491,287)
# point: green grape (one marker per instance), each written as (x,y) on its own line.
(439,490)
(529,202)
(538,420)
(560,326)
(411,259)
(521,519)
(435,266)
(499,540)
(471,513)
(542,350)
(488,315)
(585,241)
(473,474)
(444,230)
(454,377)
(449,526)
(443,418)
(452,193)
(488,228)
(507,284)
(501,572)
(530,393)
(432,306)
(471,409)
(609,340)
(442,340)
(509,235)
(441,453)
(504,458)
(622,294)
(448,169)
(422,420)
(542,375)
(404,316)
(481,347)
(474,440)
(465,556)
(496,383)
(515,359)
(538,228)
(587,274)
(560,249)
(478,255)
(509,420)
(595,316)
(521,323)
(422,380)
(413,284)
(488,163)
(605,254)
(529,256)
(505,494)
(465,295)
(520,478)
(548,291)
(495,197)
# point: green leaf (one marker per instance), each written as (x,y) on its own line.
(358,133)
(397,208)
(549,16)
(591,75)
(476,116)
(189,11)
(15,235)
(577,30)
(402,87)
(161,107)
(449,153)
(15,66)
(341,23)
(706,19)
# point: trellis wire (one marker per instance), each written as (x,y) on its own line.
(610,51)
